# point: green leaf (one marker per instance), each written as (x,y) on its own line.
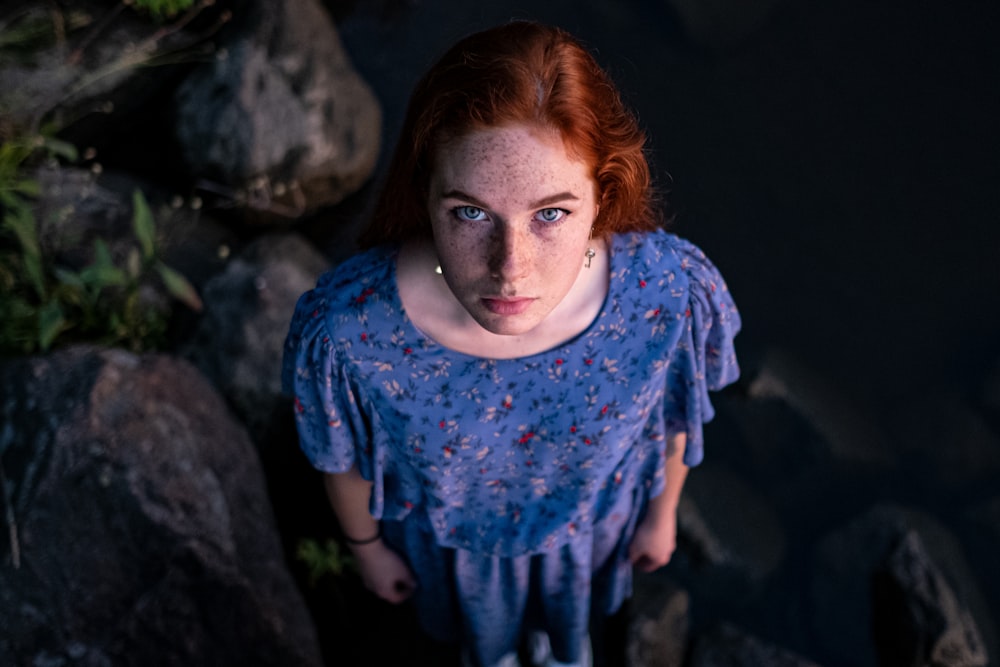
(179,287)
(50,324)
(102,272)
(27,186)
(142,222)
(71,278)
(61,148)
(20,221)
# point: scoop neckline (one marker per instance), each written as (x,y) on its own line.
(431,343)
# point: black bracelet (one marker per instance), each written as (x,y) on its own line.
(375,538)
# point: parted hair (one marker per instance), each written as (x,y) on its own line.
(520,72)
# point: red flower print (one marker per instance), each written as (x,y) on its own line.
(589,362)
(408,350)
(642,283)
(364,336)
(559,362)
(298,406)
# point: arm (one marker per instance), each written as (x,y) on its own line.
(656,537)
(382,570)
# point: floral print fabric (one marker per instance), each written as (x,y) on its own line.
(509,458)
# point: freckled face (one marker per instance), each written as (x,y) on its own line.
(511,212)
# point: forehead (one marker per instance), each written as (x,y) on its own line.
(506,157)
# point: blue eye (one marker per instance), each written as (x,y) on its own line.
(551,214)
(470,213)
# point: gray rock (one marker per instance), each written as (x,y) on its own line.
(918,621)
(728,646)
(282,120)
(849,433)
(946,442)
(87,60)
(658,625)
(239,340)
(142,533)
(728,534)
(76,207)
(840,590)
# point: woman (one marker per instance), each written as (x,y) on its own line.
(506,388)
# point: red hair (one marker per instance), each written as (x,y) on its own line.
(521,72)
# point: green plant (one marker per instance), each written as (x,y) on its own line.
(164,9)
(322,559)
(42,302)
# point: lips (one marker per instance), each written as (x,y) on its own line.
(502,306)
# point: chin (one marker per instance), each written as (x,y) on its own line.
(506,325)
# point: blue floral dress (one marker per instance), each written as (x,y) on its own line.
(513,486)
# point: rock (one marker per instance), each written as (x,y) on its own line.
(850,434)
(283,122)
(729,538)
(85,60)
(728,646)
(142,533)
(76,207)
(917,619)
(658,626)
(239,340)
(840,592)
(949,446)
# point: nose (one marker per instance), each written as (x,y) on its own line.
(509,252)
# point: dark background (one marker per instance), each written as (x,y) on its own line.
(837,161)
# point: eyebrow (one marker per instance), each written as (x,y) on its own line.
(544,201)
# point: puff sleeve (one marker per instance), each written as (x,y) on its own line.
(333,431)
(704,359)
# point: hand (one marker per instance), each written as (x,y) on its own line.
(654,542)
(384,572)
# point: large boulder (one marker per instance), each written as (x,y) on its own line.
(727,645)
(659,619)
(844,603)
(239,339)
(917,619)
(730,540)
(87,61)
(140,529)
(282,123)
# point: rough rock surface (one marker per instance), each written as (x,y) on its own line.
(728,646)
(282,119)
(658,627)
(239,340)
(917,619)
(141,533)
(87,57)
(729,533)
(842,612)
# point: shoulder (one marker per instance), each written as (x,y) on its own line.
(344,295)
(357,278)
(664,253)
